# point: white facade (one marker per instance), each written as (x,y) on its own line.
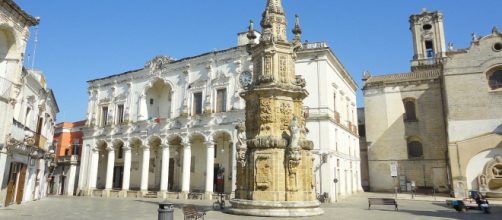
(184,112)
(25,102)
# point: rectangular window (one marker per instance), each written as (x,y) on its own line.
(221,100)
(104,116)
(197,103)
(120,114)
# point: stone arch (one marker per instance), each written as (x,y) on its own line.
(158,94)
(197,136)
(223,146)
(494,76)
(175,142)
(482,164)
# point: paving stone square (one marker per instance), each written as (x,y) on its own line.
(355,207)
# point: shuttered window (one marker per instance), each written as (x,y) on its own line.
(221,100)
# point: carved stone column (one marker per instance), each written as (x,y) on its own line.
(109,168)
(209,168)
(187,156)
(145,165)
(164,175)
(126,181)
(234,167)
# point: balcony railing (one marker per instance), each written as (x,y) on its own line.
(67,158)
(40,141)
(23,133)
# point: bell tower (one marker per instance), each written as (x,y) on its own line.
(428,38)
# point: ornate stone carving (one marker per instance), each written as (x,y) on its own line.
(220,80)
(158,63)
(285,115)
(266,110)
(263,172)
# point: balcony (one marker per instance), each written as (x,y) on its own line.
(26,136)
(67,159)
(40,141)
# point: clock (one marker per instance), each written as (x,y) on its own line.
(245,78)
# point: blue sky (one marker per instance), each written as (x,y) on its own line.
(81,40)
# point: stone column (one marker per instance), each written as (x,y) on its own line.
(71,176)
(164,175)
(127,167)
(234,166)
(209,168)
(93,177)
(145,165)
(109,168)
(187,156)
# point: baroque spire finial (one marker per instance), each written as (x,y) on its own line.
(297,30)
(251,35)
(495,30)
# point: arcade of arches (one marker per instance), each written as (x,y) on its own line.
(201,165)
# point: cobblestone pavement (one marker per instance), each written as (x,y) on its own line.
(355,207)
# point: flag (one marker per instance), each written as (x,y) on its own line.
(154,119)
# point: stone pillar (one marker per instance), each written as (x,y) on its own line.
(164,175)
(93,177)
(187,156)
(145,165)
(127,167)
(71,176)
(209,168)
(234,167)
(109,168)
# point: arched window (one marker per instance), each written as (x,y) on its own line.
(495,79)
(415,149)
(410,109)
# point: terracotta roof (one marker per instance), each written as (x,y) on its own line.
(404,77)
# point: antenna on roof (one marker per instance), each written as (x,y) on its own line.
(35,44)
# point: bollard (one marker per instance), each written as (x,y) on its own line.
(166,210)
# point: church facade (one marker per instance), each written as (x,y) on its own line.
(438,126)
(169,129)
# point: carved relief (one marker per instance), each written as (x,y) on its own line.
(158,63)
(285,114)
(283,69)
(266,110)
(263,172)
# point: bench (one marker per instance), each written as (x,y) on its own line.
(382,201)
(190,212)
(196,194)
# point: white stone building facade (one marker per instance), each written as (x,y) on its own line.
(168,129)
(28,110)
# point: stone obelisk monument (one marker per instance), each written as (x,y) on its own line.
(274,174)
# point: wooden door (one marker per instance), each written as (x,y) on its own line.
(11,185)
(20,185)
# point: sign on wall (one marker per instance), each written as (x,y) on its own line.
(393,168)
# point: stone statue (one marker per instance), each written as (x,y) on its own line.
(294,130)
(241,135)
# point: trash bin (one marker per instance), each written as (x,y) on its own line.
(166,210)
